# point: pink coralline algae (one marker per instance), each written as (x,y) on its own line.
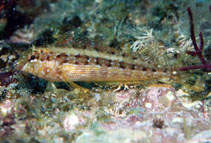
(158,98)
(160,112)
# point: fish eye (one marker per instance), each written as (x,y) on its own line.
(32,57)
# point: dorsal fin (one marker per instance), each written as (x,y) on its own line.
(96,44)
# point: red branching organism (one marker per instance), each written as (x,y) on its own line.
(198,50)
(6,78)
(1,7)
(6,4)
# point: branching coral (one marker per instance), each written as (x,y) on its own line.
(198,49)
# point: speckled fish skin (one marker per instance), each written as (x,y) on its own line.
(69,64)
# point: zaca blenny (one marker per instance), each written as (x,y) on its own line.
(90,65)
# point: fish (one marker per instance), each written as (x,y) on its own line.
(66,64)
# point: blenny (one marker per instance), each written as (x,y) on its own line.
(91,65)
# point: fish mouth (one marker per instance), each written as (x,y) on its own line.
(19,65)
